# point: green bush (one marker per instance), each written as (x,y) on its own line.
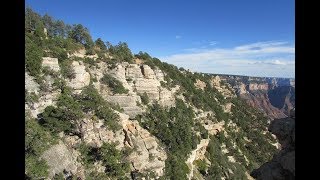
(54,119)
(202,166)
(37,140)
(89,61)
(35,168)
(144,98)
(121,52)
(66,69)
(91,100)
(33,55)
(115,85)
(60,118)
(112,159)
(31,97)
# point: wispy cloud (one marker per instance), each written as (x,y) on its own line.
(212,43)
(178,37)
(271,58)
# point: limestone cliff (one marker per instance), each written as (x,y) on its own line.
(273,96)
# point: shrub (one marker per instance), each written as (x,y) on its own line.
(112,160)
(202,166)
(37,140)
(144,98)
(89,61)
(33,54)
(35,168)
(91,100)
(54,119)
(115,85)
(66,69)
(121,52)
(31,97)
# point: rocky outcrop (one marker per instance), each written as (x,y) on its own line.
(138,79)
(45,100)
(198,153)
(282,165)
(256,86)
(95,133)
(61,160)
(51,63)
(200,84)
(30,84)
(147,155)
(224,89)
(167,97)
(128,103)
(82,77)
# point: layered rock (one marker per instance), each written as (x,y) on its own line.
(82,77)
(95,133)
(273,96)
(261,101)
(167,97)
(128,103)
(256,86)
(282,165)
(51,63)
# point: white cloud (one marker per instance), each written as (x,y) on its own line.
(212,43)
(178,37)
(271,58)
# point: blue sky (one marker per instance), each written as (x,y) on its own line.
(246,37)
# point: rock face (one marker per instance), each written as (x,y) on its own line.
(273,96)
(82,77)
(256,86)
(128,103)
(224,89)
(51,63)
(138,79)
(60,158)
(147,154)
(260,100)
(30,84)
(200,84)
(282,165)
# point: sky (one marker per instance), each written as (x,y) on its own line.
(247,37)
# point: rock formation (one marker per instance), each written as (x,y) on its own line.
(82,77)
(282,165)
(60,159)
(273,96)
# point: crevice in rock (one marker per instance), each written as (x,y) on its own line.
(126,138)
(142,70)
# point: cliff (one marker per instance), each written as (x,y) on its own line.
(97,111)
(273,96)
(282,165)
